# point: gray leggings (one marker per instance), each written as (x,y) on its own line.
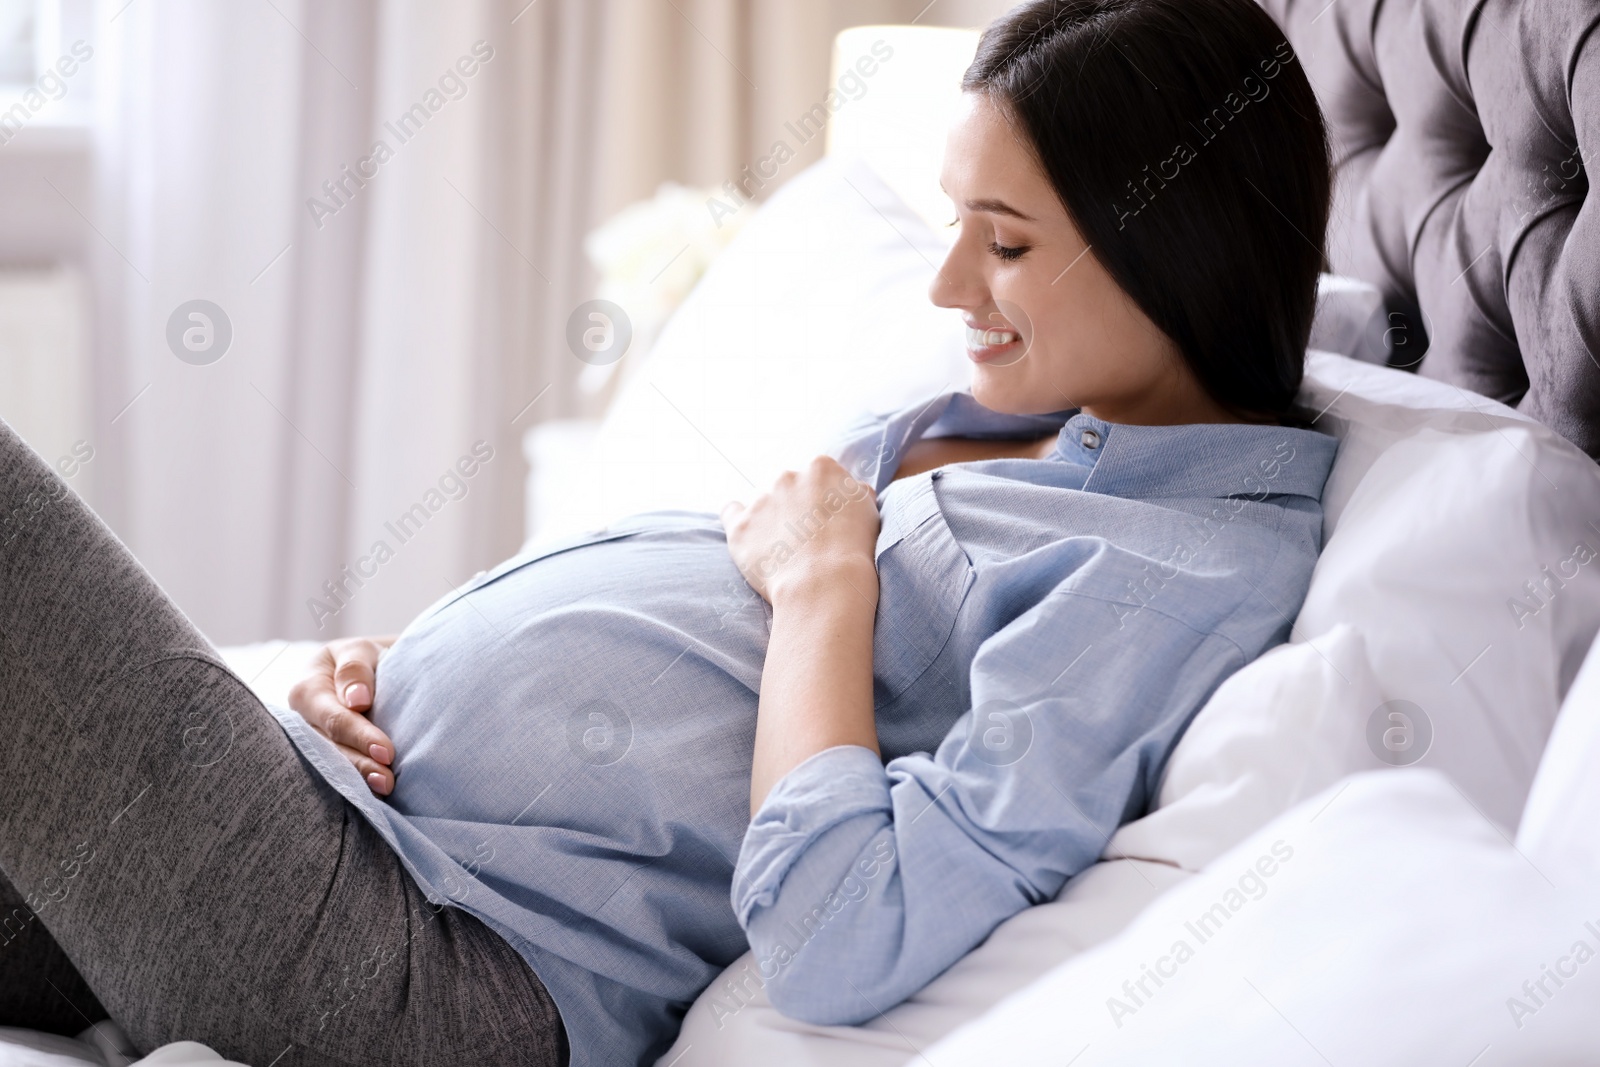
(167,859)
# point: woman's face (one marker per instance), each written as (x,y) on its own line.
(1047,328)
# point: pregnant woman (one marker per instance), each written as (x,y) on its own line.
(852,726)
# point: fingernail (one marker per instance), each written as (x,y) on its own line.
(378,752)
(356,693)
(375,780)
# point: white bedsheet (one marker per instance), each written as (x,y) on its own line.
(733,1023)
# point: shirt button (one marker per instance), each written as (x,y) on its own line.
(1090,439)
(480,574)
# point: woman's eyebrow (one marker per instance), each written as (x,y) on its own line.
(993,207)
(998,207)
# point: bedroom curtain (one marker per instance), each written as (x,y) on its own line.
(386,199)
(390,307)
(698,89)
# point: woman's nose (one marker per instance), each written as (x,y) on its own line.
(955,284)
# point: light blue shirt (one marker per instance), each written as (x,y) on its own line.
(575,728)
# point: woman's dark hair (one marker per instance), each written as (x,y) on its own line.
(1187,146)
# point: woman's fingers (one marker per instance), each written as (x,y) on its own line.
(317,697)
(312,697)
(355,667)
(368,747)
(379,779)
(353,730)
(817,517)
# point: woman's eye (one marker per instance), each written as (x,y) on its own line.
(953,222)
(1007,253)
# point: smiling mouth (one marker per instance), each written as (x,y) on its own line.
(997,345)
(990,338)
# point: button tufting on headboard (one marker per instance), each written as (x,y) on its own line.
(1464,132)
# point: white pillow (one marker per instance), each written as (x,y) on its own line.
(271,668)
(1351,319)
(1558,825)
(1382,922)
(1440,506)
(1280,730)
(816,314)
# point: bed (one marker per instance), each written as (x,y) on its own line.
(1345,814)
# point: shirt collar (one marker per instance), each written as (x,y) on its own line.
(1200,460)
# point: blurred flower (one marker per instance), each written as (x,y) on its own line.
(650,255)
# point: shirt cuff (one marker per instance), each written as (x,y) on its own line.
(831,787)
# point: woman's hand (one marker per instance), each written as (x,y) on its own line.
(334,699)
(816,526)
(807,547)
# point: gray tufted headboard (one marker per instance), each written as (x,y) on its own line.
(1463,132)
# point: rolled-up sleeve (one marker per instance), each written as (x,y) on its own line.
(858,883)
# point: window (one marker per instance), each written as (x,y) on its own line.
(46,64)
(19,23)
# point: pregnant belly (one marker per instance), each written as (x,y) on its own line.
(606,692)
